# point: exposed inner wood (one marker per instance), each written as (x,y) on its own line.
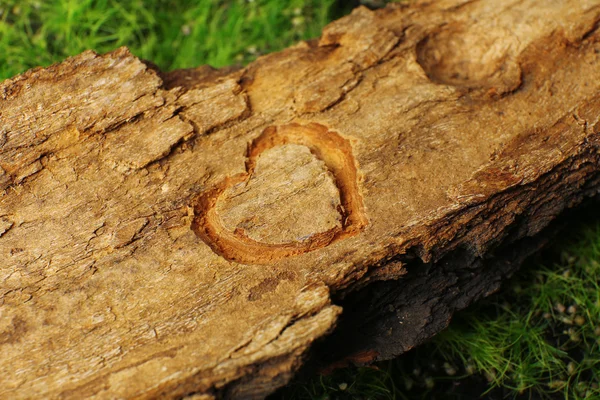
(422,133)
(311,189)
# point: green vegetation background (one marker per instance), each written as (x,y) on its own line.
(171,33)
(538,338)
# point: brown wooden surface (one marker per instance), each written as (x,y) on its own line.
(183,234)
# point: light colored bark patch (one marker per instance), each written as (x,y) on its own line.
(290,197)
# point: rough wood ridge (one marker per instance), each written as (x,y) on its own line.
(183,234)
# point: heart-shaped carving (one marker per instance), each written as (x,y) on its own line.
(299,193)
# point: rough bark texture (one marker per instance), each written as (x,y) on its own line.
(181,234)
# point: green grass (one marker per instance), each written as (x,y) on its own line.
(538,338)
(173,34)
(542,333)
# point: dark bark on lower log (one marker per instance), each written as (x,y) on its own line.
(386,319)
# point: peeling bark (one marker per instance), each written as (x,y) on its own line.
(411,135)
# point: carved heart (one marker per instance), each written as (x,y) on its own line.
(299,193)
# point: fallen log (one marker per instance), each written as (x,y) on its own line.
(182,234)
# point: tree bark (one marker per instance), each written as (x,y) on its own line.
(183,234)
